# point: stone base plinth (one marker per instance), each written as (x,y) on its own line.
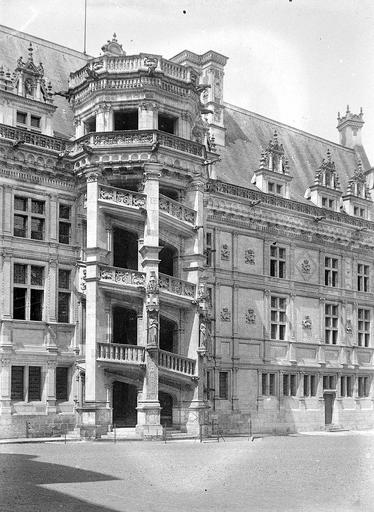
(195,415)
(148,425)
(94,420)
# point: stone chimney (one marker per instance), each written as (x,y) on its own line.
(349,128)
(210,68)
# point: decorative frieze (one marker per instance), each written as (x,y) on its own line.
(122,197)
(176,286)
(35,139)
(122,276)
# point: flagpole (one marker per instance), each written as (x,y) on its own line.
(85,26)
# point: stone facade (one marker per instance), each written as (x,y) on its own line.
(150,277)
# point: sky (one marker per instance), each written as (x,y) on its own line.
(299,61)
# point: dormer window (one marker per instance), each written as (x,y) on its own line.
(273,175)
(357,200)
(325,191)
(359,212)
(328,203)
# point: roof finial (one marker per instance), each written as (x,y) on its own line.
(31,49)
(114,37)
(348,109)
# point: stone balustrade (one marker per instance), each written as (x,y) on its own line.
(176,286)
(140,138)
(130,64)
(120,353)
(122,276)
(33,138)
(177,210)
(176,363)
(122,197)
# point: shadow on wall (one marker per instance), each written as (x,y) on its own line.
(22,478)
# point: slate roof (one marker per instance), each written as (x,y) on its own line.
(248,134)
(58,62)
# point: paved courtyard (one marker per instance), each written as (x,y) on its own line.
(333,472)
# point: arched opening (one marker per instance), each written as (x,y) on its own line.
(166,403)
(125,249)
(125,326)
(124,402)
(168,335)
(168,260)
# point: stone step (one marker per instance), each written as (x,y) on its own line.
(335,428)
(122,433)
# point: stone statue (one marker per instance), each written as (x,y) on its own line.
(152,331)
(204,336)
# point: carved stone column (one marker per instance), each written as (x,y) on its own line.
(148,418)
(5,387)
(51,386)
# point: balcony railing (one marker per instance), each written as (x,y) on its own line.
(120,353)
(122,276)
(176,363)
(122,197)
(141,138)
(130,64)
(177,210)
(35,139)
(176,286)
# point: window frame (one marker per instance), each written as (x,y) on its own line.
(268,384)
(26,381)
(65,221)
(65,397)
(331,327)
(310,389)
(363,327)
(331,271)
(289,384)
(223,387)
(363,277)
(29,216)
(363,386)
(346,386)
(28,286)
(278,318)
(277,261)
(64,292)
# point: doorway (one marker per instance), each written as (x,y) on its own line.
(125,326)
(166,403)
(124,404)
(329,407)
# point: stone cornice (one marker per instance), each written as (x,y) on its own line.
(27,176)
(241,193)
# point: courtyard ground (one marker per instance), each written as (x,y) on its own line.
(308,473)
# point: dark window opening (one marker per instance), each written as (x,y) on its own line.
(224,385)
(19,303)
(36,305)
(166,123)
(168,335)
(64,232)
(64,211)
(125,249)
(17,386)
(125,326)
(37,228)
(168,258)
(35,381)
(62,383)
(172,194)
(90,124)
(20,226)
(63,307)
(126,120)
